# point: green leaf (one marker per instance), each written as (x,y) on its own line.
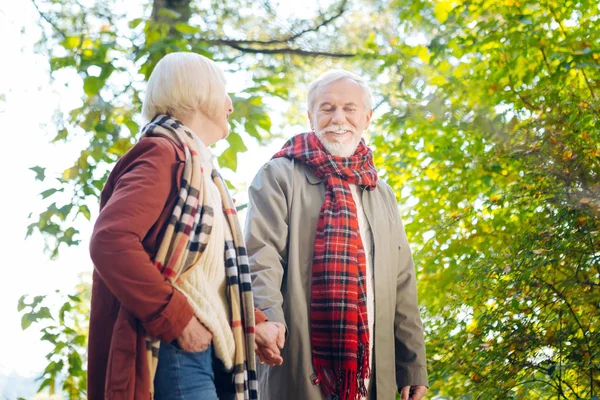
(74,298)
(92,85)
(134,23)
(66,307)
(26,321)
(74,362)
(57,63)
(40,173)
(21,304)
(120,147)
(251,129)
(80,340)
(48,382)
(49,337)
(265,122)
(169,13)
(44,313)
(83,209)
(186,29)
(49,192)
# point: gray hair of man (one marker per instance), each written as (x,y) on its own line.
(334,75)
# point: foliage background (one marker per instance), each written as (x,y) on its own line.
(487,128)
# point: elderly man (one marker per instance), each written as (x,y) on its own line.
(330,262)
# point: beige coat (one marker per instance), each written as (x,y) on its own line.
(285,199)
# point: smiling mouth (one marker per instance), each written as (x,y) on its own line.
(339,132)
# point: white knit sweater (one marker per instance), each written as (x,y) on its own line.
(205,286)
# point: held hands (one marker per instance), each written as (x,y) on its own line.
(269,339)
(195,337)
(413,392)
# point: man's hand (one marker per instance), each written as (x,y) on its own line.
(413,392)
(195,337)
(269,339)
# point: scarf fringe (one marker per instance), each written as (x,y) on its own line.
(344,383)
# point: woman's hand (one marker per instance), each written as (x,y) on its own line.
(195,337)
(269,339)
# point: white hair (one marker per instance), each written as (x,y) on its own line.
(334,75)
(184,82)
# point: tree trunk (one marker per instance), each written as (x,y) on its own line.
(182,7)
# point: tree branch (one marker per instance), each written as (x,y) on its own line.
(571,311)
(281,50)
(340,11)
(48,20)
(525,102)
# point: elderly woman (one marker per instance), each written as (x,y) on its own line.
(172,314)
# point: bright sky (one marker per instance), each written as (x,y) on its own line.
(27,105)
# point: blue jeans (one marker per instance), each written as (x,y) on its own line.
(183,375)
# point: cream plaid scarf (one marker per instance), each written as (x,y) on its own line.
(186,237)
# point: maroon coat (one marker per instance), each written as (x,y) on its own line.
(129,295)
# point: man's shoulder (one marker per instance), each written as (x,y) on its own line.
(275,172)
(385,189)
(277,168)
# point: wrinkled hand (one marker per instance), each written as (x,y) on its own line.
(195,337)
(413,392)
(269,339)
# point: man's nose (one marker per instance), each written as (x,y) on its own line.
(338,117)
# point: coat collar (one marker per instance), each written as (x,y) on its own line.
(310,175)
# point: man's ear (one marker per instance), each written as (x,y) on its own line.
(369,116)
(310,121)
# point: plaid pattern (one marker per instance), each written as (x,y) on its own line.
(338,308)
(186,237)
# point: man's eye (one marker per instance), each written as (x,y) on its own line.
(350,109)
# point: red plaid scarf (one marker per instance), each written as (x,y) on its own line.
(338,309)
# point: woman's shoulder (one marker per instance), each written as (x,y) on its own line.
(156,151)
(158,146)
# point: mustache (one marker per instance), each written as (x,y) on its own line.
(334,128)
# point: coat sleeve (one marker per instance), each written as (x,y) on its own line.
(266,234)
(138,198)
(411,363)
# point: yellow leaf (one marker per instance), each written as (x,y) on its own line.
(69,173)
(438,80)
(430,118)
(444,66)
(442,9)
(585,135)
(586,200)
(423,54)
(495,197)
(432,174)
(540,251)
(71,42)
(567,154)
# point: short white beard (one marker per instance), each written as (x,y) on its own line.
(339,149)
